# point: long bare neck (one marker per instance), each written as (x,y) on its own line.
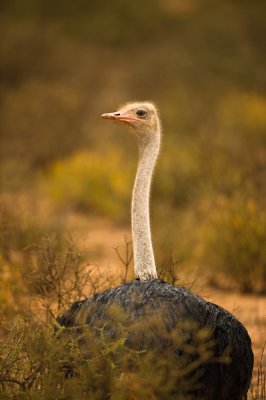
(144,262)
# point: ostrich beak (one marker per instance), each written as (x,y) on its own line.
(119,116)
(113,115)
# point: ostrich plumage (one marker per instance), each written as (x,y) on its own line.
(150,296)
(220,381)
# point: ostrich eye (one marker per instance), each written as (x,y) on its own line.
(141,113)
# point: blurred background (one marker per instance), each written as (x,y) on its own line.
(66,171)
(66,175)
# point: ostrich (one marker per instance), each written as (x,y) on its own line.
(141,297)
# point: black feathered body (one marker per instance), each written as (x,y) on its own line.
(172,305)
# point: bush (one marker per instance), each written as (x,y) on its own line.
(41,363)
(40,115)
(16,230)
(99,183)
(23,222)
(235,243)
(60,274)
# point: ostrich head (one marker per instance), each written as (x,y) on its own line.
(141,117)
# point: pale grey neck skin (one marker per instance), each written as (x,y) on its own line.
(144,261)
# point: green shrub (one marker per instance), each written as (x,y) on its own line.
(242,117)
(16,230)
(234,240)
(39,115)
(24,222)
(99,183)
(40,362)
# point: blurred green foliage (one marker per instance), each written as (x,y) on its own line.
(87,181)
(23,223)
(201,61)
(237,248)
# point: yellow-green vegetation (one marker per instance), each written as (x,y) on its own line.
(235,243)
(41,362)
(87,181)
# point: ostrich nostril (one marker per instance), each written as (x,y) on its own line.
(117,114)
